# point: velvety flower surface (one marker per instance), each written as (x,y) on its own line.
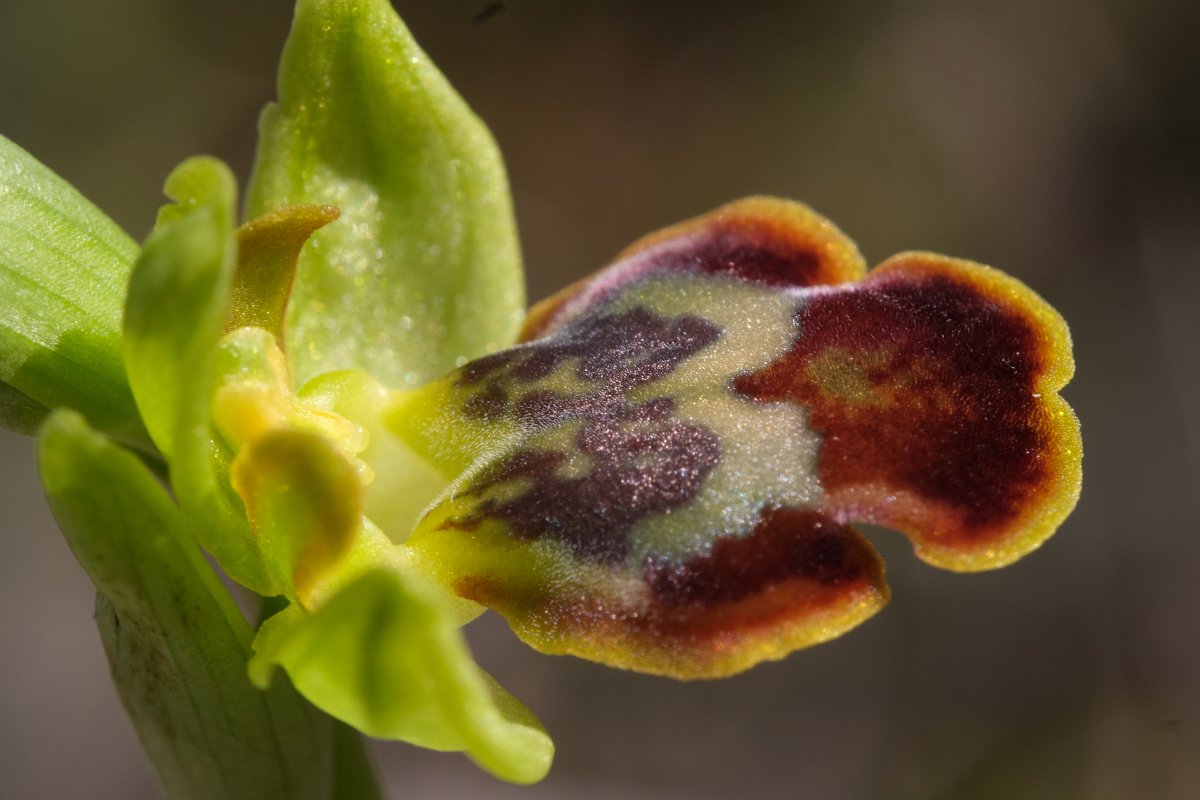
(665,474)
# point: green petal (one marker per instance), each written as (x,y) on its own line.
(63,270)
(176,643)
(175,312)
(268,252)
(177,299)
(385,655)
(423,268)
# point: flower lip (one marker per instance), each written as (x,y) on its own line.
(921,396)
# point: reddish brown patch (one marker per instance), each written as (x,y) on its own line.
(794,563)
(935,399)
(792,567)
(753,251)
(764,250)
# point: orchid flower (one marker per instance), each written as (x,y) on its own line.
(659,468)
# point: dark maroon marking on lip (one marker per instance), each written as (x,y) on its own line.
(481,368)
(618,351)
(640,464)
(727,252)
(758,249)
(960,424)
(489,404)
(641,460)
(794,566)
(787,544)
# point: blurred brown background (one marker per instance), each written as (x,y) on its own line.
(1057,139)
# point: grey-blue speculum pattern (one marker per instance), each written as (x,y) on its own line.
(642,459)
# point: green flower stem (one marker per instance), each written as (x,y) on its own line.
(353,774)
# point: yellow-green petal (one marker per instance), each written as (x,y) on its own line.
(305,503)
(386,656)
(269,249)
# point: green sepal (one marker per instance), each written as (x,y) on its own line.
(386,656)
(176,643)
(423,270)
(63,270)
(174,316)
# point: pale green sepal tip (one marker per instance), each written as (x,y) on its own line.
(385,656)
(197,182)
(176,643)
(423,269)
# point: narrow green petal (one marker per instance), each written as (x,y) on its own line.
(175,313)
(63,270)
(268,253)
(386,656)
(423,269)
(176,643)
(177,298)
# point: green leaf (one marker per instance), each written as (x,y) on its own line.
(63,270)
(176,643)
(423,268)
(18,412)
(174,316)
(386,656)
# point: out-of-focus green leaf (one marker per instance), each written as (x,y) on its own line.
(18,412)
(63,270)
(423,268)
(174,316)
(385,655)
(176,643)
